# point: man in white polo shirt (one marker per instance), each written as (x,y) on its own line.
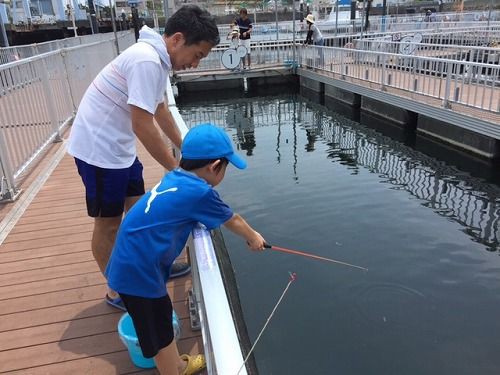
(120,105)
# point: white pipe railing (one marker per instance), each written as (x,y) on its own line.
(471,84)
(220,339)
(15,53)
(38,97)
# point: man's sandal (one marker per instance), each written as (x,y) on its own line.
(195,363)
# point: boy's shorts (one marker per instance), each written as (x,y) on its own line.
(152,319)
(106,189)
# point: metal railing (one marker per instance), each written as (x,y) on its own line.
(15,53)
(262,52)
(38,97)
(222,348)
(485,55)
(449,81)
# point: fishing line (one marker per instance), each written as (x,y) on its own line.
(293,276)
(296,252)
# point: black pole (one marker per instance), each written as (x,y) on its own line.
(135,21)
(367,21)
(94,25)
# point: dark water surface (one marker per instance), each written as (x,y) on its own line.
(428,233)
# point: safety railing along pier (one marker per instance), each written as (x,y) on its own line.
(38,97)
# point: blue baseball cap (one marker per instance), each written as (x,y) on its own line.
(207,141)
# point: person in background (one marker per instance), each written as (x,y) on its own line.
(154,232)
(314,36)
(121,105)
(245,26)
(234,36)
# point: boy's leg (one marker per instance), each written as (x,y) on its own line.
(168,360)
(152,318)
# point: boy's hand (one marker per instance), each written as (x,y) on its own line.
(257,242)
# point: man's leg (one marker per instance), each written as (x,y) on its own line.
(103,239)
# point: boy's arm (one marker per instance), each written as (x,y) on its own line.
(239,226)
(167,124)
(144,128)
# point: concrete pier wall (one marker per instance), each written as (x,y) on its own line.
(459,137)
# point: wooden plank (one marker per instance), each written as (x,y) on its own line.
(65,350)
(77,281)
(60,331)
(114,363)
(48,273)
(53,299)
(47,286)
(61,313)
(43,262)
(107,364)
(17,255)
(53,241)
(44,225)
(59,229)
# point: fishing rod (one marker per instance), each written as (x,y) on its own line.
(296,252)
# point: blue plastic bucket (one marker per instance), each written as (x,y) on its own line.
(129,338)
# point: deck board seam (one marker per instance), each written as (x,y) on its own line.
(20,206)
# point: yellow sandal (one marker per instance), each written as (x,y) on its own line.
(195,363)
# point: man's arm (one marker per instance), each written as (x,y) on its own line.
(167,124)
(144,128)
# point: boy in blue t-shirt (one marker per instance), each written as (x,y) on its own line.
(154,232)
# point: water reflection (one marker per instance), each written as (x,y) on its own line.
(241,119)
(450,193)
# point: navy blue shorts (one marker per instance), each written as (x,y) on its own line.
(152,319)
(106,189)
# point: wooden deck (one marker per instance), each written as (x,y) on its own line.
(53,318)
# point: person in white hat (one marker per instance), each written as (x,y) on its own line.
(234,35)
(314,36)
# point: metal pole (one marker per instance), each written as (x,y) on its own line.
(336,16)
(72,11)
(113,22)
(165,10)
(293,30)
(384,14)
(362,18)
(276,17)
(4,41)
(489,13)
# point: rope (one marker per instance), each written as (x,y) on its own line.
(293,276)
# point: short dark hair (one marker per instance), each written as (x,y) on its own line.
(190,164)
(243,10)
(196,24)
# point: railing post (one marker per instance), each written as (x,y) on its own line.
(446,103)
(382,75)
(51,106)
(66,75)
(6,174)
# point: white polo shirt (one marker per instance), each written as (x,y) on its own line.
(102,133)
